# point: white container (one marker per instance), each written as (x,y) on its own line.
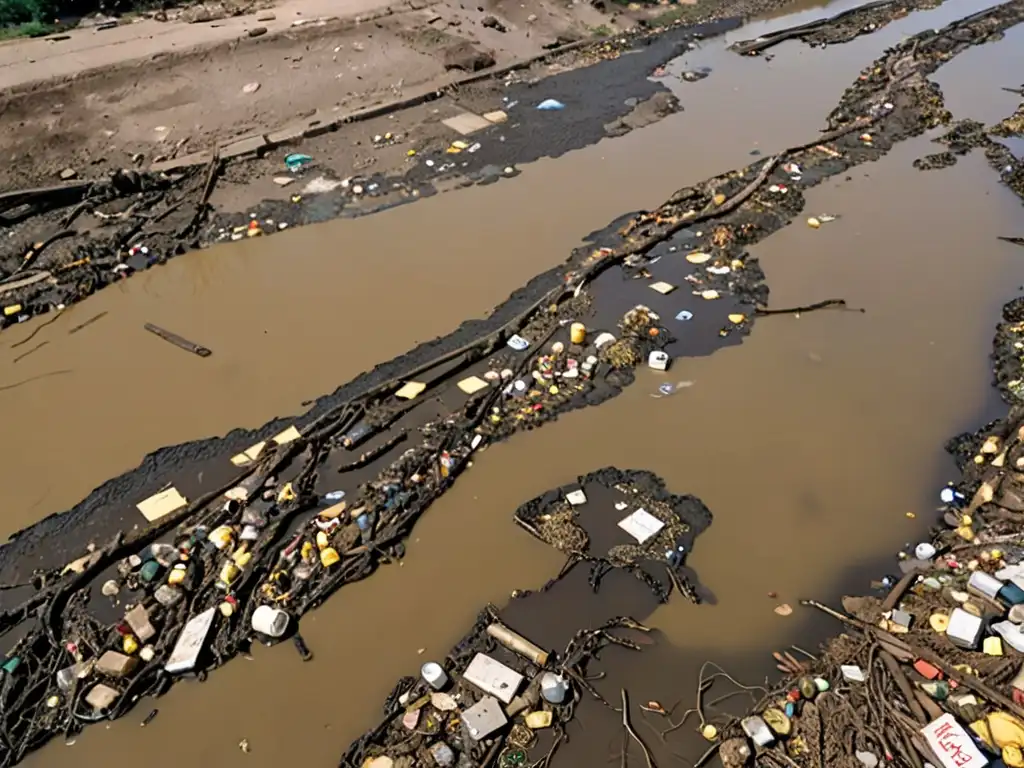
(658,360)
(493,677)
(553,688)
(981,583)
(964,629)
(190,642)
(434,675)
(758,730)
(924,551)
(270,621)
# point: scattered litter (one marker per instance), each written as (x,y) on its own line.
(641,525)
(162,504)
(472,384)
(697,257)
(250,87)
(518,343)
(709,295)
(668,388)
(684,315)
(410,389)
(550,104)
(320,185)
(467,123)
(297,161)
(662,287)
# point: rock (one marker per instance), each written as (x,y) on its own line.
(68,173)
(114,664)
(531,18)
(101,697)
(250,87)
(734,753)
(204,12)
(266,16)
(257,31)
(466,57)
(864,608)
(491,22)
(283,181)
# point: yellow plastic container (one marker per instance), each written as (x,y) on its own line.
(577,333)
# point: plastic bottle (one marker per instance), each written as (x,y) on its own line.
(433,675)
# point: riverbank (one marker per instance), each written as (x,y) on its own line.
(73,232)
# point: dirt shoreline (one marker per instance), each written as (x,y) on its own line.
(135,221)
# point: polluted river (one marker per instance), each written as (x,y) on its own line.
(815,439)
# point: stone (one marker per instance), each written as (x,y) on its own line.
(266,16)
(246,146)
(250,87)
(68,173)
(491,22)
(257,31)
(114,664)
(138,619)
(101,697)
(466,57)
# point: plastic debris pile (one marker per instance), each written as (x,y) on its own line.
(933,672)
(497,699)
(660,528)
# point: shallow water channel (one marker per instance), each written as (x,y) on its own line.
(810,442)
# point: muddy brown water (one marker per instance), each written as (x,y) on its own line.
(810,442)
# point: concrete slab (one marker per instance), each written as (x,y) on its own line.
(250,145)
(185,161)
(287,135)
(467,123)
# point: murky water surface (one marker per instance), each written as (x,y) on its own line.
(810,442)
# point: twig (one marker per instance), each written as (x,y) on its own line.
(632,733)
(760,311)
(37,329)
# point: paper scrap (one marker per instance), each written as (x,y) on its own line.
(576,497)
(249,455)
(952,744)
(289,435)
(472,384)
(641,525)
(410,389)
(161,504)
(662,287)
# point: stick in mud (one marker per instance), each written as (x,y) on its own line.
(178,341)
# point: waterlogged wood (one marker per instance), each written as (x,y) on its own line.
(178,341)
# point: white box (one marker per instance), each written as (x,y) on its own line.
(190,642)
(641,525)
(493,677)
